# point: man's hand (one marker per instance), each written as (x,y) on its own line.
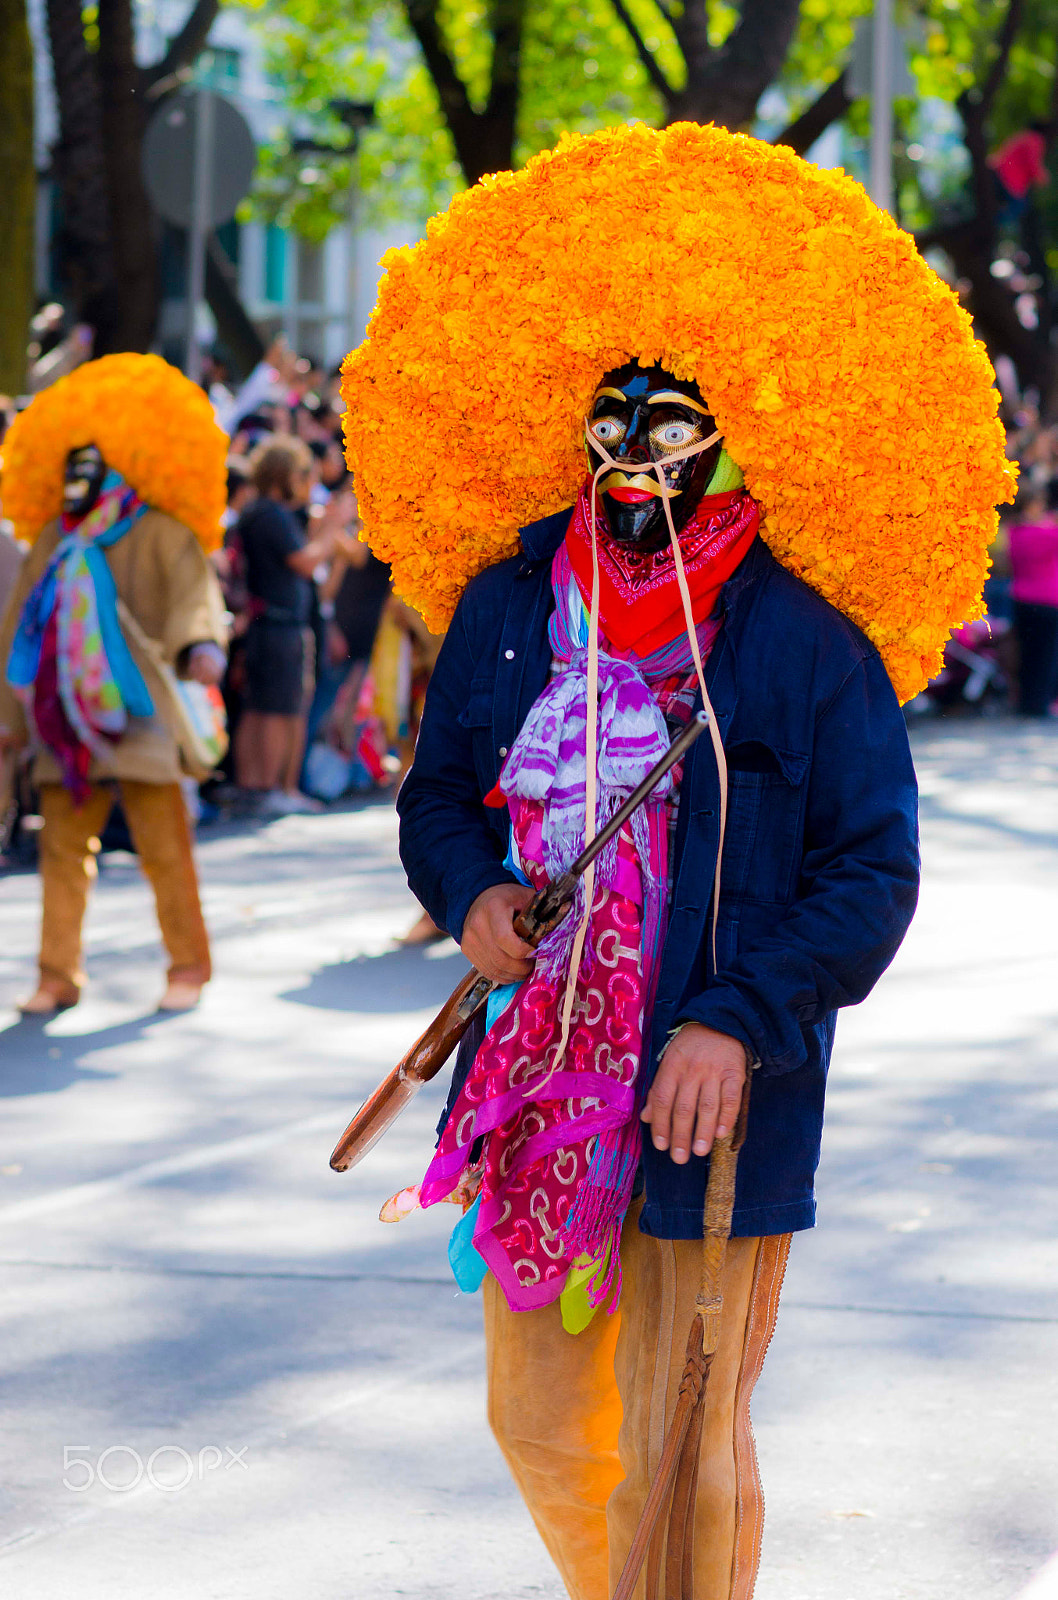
(697,1091)
(489,940)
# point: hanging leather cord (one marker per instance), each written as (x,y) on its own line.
(591,752)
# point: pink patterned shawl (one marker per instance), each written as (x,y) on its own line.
(561,1129)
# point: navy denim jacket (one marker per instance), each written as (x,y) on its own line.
(820,867)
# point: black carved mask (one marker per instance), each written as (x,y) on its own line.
(85,471)
(639,414)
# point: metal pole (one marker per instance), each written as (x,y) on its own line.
(201,209)
(353,281)
(882,63)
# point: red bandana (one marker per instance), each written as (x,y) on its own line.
(639,597)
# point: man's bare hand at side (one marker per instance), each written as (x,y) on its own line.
(489,940)
(697,1092)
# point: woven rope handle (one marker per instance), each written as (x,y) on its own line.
(719,1207)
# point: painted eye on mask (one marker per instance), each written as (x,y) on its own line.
(607,430)
(666,436)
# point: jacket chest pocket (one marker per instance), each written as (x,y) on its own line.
(765,823)
(476,718)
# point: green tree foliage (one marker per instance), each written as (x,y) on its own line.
(578,72)
(580,67)
(587,66)
(464,87)
(17,193)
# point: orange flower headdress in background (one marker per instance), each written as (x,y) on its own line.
(841,369)
(151,424)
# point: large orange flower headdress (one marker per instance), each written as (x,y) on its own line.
(842,371)
(152,424)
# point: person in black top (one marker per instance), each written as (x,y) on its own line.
(280,558)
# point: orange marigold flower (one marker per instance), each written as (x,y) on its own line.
(842,371)
(151,424)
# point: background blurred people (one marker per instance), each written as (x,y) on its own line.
(280,557)
(1018,166)
(1033,545)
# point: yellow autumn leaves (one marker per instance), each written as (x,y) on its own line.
(151,424)
(843,372)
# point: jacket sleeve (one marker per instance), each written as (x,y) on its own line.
(194,610)
(859,883)
(12,712)
(449,849)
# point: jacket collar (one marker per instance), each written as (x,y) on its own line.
(757,563)
(541,539)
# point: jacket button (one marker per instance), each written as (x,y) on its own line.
(509,655)
(503,749)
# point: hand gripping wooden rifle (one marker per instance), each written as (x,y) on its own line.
(544,912)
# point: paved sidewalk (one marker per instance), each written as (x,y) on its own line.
(187,1281)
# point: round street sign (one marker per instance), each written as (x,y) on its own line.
(169,158)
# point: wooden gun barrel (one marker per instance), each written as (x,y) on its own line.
(423,1061)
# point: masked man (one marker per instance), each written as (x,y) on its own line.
(110,572)
(819,875)
(771,880)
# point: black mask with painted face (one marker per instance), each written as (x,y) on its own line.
(85,471)
(640,414)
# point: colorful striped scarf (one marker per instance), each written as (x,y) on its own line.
(69,662)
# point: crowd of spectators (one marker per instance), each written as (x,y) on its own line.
(1023,590)
(1007,661)
(306,597)
(327,669)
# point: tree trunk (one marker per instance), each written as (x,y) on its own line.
(87,261)
(970,245)
(18,193)
(724,85)
(829,106)
(499,123)
(484,140)
(234,328)
(123,123)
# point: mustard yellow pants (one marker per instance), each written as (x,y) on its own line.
(157,819)
(581,1419)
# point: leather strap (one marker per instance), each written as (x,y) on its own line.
(675,1484)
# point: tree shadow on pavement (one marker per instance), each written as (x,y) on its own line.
(33,1061)
(396,981)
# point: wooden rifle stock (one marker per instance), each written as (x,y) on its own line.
(544,912)
(430,1052)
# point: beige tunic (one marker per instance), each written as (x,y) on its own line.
(163,576)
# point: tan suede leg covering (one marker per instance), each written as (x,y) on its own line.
(655,1321)
(67,846)
(157,820)
(555,1411)
(583,1461)
(161,832)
